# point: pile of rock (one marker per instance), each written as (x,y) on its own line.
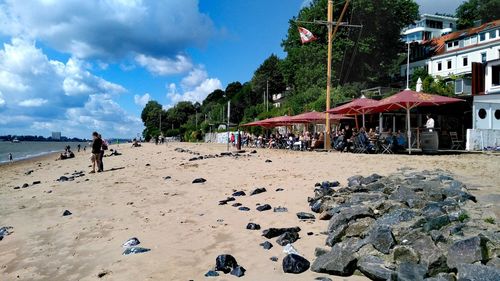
(72,177)
(408,226)
(226,264)
(210,156)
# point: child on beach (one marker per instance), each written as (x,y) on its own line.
(10,157)
(96,150)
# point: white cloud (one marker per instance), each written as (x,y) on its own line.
(109,29)
(165,66)
(33,102)
(142,100)
(196,86)
(2,101)
(40,95)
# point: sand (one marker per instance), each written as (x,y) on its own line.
(181,222)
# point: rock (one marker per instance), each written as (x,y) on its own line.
(405,254)
(268,161)
(320,251)
(347,214)
(63,178)
(430,255)
(36,182)
(280,209)
(339,261)
(295,264)
(131,242)
(167,177)
(305,216)
(236,205)
(17,187)
(322,279)
(411,272)
(477,272)
(239,193)
(287,238)
(275,232)
(336,234)
(245,209)
(359,227)
(442,277)
(253,226)
(279,189)
(67,213)
(494,262)
(147,165)
(396,216)
(437,236)
(199,180)
(310,233)
(264,207)
(381,238)
(253,151)
(258,191)
(436,223)
(211,273)
(29,172)
(4,231)
(25,185)
(225,201)
(273,258)
(266,245)
(468,250)
(225,263)
(135,250)
(238,271)
(354,180)
(373,268)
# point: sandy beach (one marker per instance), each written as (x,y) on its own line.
(179,221)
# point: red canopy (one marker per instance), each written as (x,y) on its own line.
(271,122)
(355,107)
(409,99)
(315,117)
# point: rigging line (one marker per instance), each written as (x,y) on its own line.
(345,50)
(353,54)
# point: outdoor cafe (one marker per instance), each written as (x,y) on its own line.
(389,127)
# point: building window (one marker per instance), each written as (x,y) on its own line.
(465,61)
(450,45)
(455,44)
(493,34)
(451,25)
(481,113)
(495,75)
(482,36)
(439,66)
(449,64)
(497,114)
(483,57)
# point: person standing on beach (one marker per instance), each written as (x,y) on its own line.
(96,151)
(79,146)
(10,157)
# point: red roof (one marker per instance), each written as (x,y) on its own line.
(439,44)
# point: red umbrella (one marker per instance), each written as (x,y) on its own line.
(355,107)
(315,117)
(408,100)
(271,122)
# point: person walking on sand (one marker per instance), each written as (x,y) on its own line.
(79,146)
(96,150)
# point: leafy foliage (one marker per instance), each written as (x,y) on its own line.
(472,10)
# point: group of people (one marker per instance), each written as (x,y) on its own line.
(347,138)
(99,145)
(67,154)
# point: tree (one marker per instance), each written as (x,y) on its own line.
(151,118)
(473,10)
(268,74)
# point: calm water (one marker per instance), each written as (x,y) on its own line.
(24,150)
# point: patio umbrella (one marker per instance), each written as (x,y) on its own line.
(355,107)
(408,100)
(315,117)
(271,122)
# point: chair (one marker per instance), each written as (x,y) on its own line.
(385,147)
(359,147)
(455,142)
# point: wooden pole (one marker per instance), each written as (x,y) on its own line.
(331,35)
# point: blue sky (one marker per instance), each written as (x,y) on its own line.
(79,66)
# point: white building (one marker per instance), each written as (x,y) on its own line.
(429,27)
(452,55)
(56,135)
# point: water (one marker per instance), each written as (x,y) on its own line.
(29,149)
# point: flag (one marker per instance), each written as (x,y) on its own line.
(306,36)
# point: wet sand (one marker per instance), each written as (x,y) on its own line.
(181,222)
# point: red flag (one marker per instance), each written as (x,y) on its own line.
(306,36)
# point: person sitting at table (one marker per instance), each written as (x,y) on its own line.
(347,141)
(400,141)
(372,134)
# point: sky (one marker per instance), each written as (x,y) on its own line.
(81,66)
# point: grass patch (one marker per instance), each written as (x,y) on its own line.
(463,217)
(489,220)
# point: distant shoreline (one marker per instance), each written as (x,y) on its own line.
(34,158)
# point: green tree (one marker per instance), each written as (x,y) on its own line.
(151,118)
(268,73)
(472,10)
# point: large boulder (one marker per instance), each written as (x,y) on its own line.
(373,267)
(347,214)
(380,236)
(411,272)
(275,232)
(341,260)
(477,272)
(295,264)
(405,254)
(468,250)
(225,263)
(431,256)
(287,238)
(359,227)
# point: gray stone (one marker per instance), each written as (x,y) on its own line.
(442,277)
(396,216)
(494,262)
(266,245)
(336,234)
(305,216)
(381,238)
(477,272)
(320,251)
(258,191)
(264,207)
(339,261)
(238,271)
(436,223)
(411,272)
(373,268)
(348,214)
(468,250)
(437,236)
(359,227)
(275,232)
(405,254)
(253,226)
(287,238)
(430,255)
